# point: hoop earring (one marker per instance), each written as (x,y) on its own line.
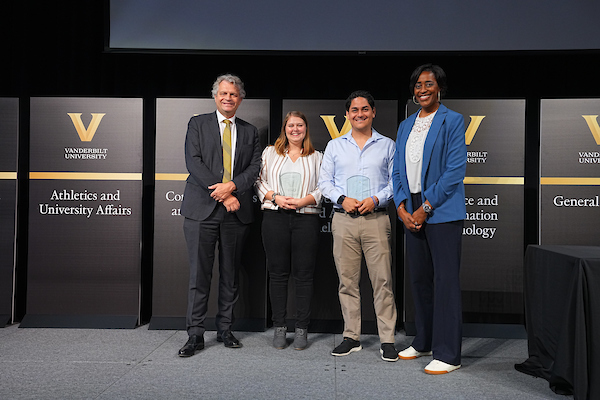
(439,97)
(414,99)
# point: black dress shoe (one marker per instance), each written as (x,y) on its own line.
(194,343)
(229,340)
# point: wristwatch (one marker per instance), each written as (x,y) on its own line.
(427,208)
(341,199)
(273,197)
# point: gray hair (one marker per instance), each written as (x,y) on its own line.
(233,79)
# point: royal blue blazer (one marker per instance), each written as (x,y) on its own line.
(444,166)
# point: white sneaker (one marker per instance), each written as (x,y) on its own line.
(437,367)
(410,353)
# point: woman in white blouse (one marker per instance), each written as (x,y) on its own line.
(290,200)
(429,169)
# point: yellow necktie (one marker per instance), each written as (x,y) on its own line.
(227,151)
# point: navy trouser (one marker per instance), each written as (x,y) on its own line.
(434,267)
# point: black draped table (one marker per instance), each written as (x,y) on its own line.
(562,314)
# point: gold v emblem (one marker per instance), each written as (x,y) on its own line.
(473,126)
(592,122)
(86,135)
(332,127)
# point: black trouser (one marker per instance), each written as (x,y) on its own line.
(290,240)
(201,236)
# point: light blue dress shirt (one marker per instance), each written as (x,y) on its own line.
(348,170)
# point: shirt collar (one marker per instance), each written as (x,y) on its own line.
(375,136)
(221,118)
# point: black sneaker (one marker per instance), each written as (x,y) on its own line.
(346,347)
(388,352)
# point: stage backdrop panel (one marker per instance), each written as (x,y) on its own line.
(171,267)
(9,134)
(326,121)
(85,195)
(493,232)
(570,172)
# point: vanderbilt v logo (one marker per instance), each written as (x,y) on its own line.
(473,126)
(593,124)
(86,135)
(332,127)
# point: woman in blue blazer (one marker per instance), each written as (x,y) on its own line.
(429,169)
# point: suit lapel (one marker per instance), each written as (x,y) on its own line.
(406,132)
(216,134)
(401,152)
(240,131)
(432,135)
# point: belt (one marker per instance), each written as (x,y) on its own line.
(356,214)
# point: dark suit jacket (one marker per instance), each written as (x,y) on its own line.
(204,161)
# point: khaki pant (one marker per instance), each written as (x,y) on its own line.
(371,235)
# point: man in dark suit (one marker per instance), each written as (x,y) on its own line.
(217,207)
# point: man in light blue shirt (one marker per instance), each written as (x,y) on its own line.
(356,175)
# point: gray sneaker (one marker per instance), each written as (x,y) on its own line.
(301,339)
(279,341)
